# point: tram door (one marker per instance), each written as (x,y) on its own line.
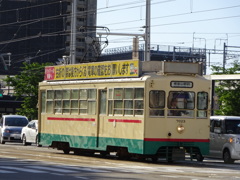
(102,109)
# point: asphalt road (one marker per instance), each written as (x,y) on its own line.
(18,162)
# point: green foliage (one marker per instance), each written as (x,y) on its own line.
(228,91)
(26,87)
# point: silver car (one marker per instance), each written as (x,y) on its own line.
(225,138)
(11,128)
(29,133)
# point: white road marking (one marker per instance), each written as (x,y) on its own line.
(5,171)
(56,169)
(22,169)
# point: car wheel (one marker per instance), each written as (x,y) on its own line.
(24,140)
(227,157)
(1,140)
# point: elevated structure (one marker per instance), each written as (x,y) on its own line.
(159,53)
(39,31)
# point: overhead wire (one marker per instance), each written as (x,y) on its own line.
(67,14)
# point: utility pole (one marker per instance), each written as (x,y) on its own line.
(224,56)
(73,32)
(147,31)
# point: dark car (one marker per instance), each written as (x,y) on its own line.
(11,128)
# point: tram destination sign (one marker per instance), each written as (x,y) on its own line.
(108,69)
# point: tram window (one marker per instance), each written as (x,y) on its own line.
(74,101)
(92,107)
(103,101)
(66,94)
(156,99)
(66,101)
(66,106)
(118,105)
(202,100)
(75,94)
(50,94)
(57,106)
(49,107)
(139,93)
(92,94)
(156,103)
(202,104)
(118,93)
(83,106)
(128,93)
(50,97)
(83,93)
(110,107)
(58,94)
(128,107)
(110,94)
(125,101)
(138,107)
(74,106)
(43,101)
(181,103)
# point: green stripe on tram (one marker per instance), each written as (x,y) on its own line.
(133,145)
(89,142)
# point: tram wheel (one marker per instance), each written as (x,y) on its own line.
(66,151)
(199,157)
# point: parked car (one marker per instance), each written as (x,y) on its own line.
(11,128)
(29,133)
(225,138)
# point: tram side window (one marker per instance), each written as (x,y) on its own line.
(83,101)
(202,104)
(125,101)
(43,101)
(58,101)
(128,101)
(66,101)
(87,101)
(92,96)
(50,98)
(138,101)
(74,101)
(103,101)
(156,103)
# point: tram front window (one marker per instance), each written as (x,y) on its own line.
(156,103)
(181,103)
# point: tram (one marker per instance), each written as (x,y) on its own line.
(136,109)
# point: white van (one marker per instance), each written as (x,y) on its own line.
(225,138)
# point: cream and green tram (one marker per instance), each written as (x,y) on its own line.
(132,116)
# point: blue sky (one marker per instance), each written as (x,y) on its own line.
(186,23)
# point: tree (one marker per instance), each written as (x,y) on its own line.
(228,91)
(26,87)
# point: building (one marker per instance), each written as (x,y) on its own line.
(40,31)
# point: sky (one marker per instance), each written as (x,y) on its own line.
(188,23)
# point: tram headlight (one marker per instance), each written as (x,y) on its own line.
(180,128)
